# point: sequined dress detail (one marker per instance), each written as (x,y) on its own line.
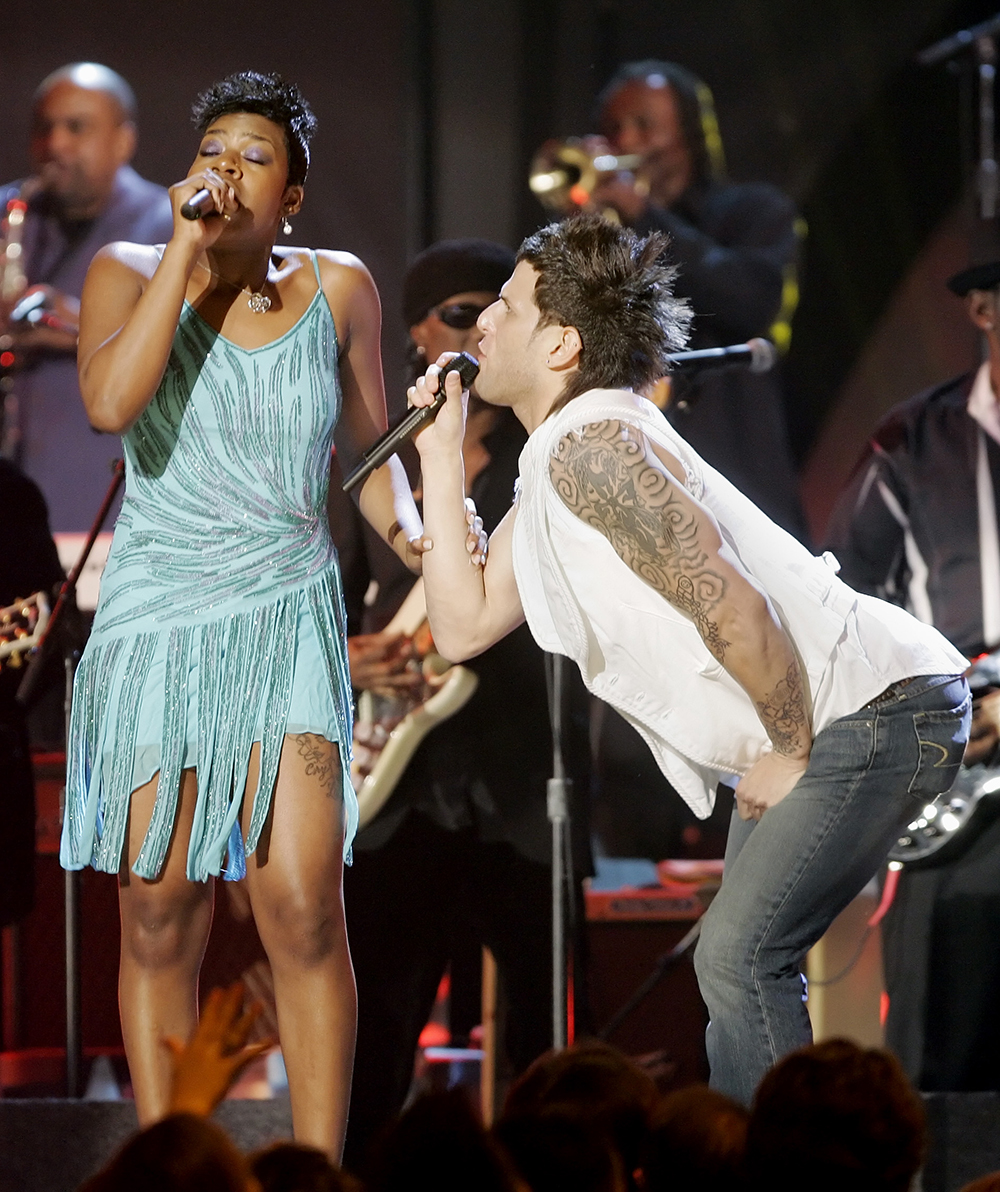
(221,618)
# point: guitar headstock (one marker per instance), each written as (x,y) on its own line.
(22,625)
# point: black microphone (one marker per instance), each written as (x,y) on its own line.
(467,368)
(760,354)
(199,205)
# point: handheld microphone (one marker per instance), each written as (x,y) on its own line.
(467,368)
(199,205)
(28,306)
(760,354)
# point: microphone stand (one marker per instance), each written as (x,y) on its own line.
(662,966)
(557,804)
(71,886)
(981,39)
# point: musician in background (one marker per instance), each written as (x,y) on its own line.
(735,247)
(460,855)
(85,195)
(917,525)
(28,564)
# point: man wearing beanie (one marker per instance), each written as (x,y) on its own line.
(917,525)
(460,854)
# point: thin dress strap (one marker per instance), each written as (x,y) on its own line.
(315,261)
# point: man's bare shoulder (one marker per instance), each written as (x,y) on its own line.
(608,475)
(599,456)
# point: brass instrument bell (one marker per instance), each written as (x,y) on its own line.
(564,174)
(12,275)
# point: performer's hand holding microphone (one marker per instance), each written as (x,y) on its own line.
(203,205)
(425,406)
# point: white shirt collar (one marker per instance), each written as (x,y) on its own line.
(983,406)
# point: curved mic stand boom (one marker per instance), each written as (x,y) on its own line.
(981,39)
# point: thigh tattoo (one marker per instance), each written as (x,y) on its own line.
(320,757)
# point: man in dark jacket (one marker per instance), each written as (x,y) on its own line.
(917,525)
(735,248)
(81,195)
(28,564)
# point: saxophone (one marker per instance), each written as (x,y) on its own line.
(13,282)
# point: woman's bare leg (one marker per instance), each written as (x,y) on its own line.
(294,882)
(165,926)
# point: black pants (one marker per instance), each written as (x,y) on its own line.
(411,905)
(941,946)
(17,813)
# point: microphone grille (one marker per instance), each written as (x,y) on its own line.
(763,355)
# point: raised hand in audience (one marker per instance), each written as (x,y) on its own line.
(207,1065)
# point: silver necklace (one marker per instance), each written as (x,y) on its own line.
(257,300)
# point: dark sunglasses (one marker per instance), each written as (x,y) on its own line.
(460,316)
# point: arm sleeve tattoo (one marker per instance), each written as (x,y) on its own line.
(783,714)
(603,475)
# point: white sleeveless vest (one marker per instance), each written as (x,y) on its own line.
(647,660)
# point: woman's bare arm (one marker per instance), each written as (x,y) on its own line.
(386,500)
(129,311)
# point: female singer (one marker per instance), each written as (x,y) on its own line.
(212,713)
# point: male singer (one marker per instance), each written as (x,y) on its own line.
(713,631)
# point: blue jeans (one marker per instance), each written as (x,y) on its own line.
(788,875)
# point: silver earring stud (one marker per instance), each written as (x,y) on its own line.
(286,227)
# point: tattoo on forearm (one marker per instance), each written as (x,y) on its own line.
(320,757)
(604,476)
(783,713)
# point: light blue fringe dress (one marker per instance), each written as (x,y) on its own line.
(221,617)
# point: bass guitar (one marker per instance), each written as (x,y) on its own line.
(947,827)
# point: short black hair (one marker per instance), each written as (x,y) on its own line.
(265,95)
(616,288)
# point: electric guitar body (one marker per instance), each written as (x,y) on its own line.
(389,728)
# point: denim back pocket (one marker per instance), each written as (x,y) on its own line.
(941,741)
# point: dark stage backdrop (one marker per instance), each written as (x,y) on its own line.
(351,60)
(430,111)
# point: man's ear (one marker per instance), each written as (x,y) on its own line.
(982,308)
(565,351)
(126,140)
(292,203)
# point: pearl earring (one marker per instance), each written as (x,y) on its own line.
(286,227)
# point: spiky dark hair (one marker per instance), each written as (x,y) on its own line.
(265,95)
(615,288)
